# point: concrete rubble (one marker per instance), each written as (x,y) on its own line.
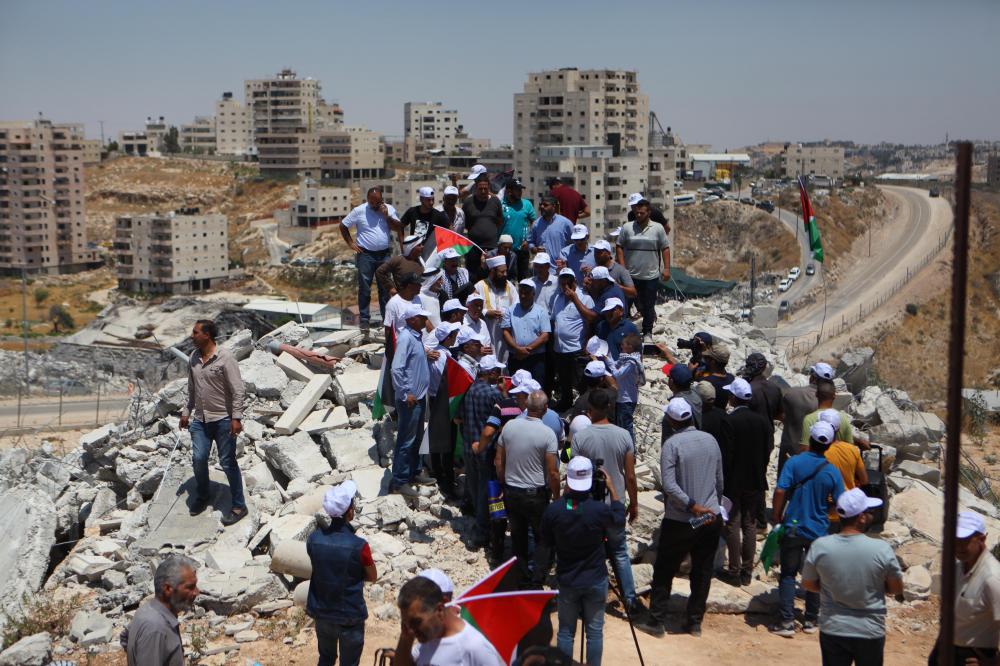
(120,499)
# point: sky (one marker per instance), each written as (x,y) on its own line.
(726,73)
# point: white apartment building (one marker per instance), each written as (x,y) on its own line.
(350,153)
(284,119)
(797,160)
(199,136)
(134,143)
(42,208)
(233,131)
(156,130)
(314,209)
(92,151)
(430,122)
(177,253)
(401,192)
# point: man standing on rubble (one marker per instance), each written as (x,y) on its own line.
(410,380)
(214,413)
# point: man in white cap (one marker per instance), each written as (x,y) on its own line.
(474,320)
(483,219)
(341,565)
(546,284)
(852,572)
(826,394)
(577,253)
(470,350)
(456,282)
(575,527)
(453,311)
(388,275)
(451,209)
(551,231)
(373,220)
(597,378)
(418,220)
(643,248)
(475,172)
(410,381)
(518,216)
(499,295)
(655,214)
(604,256)
(526,329)
(846,458)
(691,472)
(442,580)
(812,482)
(440,427)
(569,326)
(603,287)
(977,597)
(614,327)
(796,403)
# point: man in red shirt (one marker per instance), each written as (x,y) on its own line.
(571,203)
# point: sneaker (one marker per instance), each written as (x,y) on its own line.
(636,611)
(783,629)
(422,479)
(406,490)
(693,629)
(198,507)
(651,627)
(234,516)
(809,627)
(745,579)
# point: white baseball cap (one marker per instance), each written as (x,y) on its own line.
(474,296)
(338,499)
(528,386)
(596,346)
(602,245)
(634,198)
(541,258)
(580,473)
(477,170)
(740,388)
(579,422)
(453,304)
(465,334)
(616,232)
(854,502)
(415,310)
(678,409)
(496,262)
(451,189)
(426,192)
(567,271)
(822,432)
(822,370)
(612,303)
(969,523)
(445,329)
(596,369)
(601,273)
(526,282)
(440,578)
(490,362)
(580,232)
(505,238)
(831,416)
(520,377)
(448,253)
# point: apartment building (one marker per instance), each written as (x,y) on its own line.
(156,130)
(329,115)
(199,136)
(798,160)
(314,209)
(350,153)
(283,115)
(430,122)
(92,149)
(134,143)
(401,192)
(42,211)
(233,131)
(178,253)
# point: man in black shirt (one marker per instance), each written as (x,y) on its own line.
(483,221)
(655,214)
(715,359)
(418,220)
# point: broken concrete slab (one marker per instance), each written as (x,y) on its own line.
(385,545)
(855,367)
(232,592)
(289,333)
(28,523)
(294,368)
(290,527)
(393,509)
(349,450)
(321,420)
(240,344)
(88,628)
(261,376)
(916,583)
(291,558)
(349,336)
(96,440)
(34,650)
(303,404)
(223,558)
(296,456)
(371,481)
(920,471)
(354,385)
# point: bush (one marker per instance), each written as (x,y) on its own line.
(911,309)
(40,294)
(41,613)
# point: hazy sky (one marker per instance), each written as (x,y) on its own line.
(725,73)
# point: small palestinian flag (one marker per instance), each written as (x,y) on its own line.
(809,219)
(505,618)
(440,239)
(459,382)
(383,392)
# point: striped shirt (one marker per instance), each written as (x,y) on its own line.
(691,470)
(476,408)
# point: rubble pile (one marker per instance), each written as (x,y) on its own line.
(97,521)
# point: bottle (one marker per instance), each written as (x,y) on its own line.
(698,521)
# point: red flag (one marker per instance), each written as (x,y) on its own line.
(490,583)
(504,618)
(459,382)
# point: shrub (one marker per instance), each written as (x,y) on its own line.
(40,613)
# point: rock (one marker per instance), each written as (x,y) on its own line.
(758,597)
(855,367)
(290,526)
(35,650)
(371,481)
(353,386)
(255,430)
(89,628)
(920,471)
(95,441)
(172,397)
(321,420)
(28,526)
(387,612)
(347,451)
(227,593)
(916,583)
(297,488)
(237,627)
(888,457)
(912,433)
(248,636)
(765,316)
(289,333)
(225,558)
(290,392)
(917,553)
(89,567)
(921,507)
(240,344)
(271,607)
(393,509)
(296,456)
(258,477)
(52,477)
(261,376)
(643,576)
(384,545)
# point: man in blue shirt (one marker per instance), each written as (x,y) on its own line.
(518,216)
(570,326)
(550,233)
(526,329)
(614,327)
(546,284)
(809,485)
(373,220)
(602,287)
(410,380)
(578,252)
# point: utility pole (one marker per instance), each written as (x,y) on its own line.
(753,282)
(102,132)
(24,322)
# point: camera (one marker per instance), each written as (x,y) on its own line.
(599,485)
(695,344)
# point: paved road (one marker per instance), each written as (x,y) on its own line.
(44,412)
(915,232)
(276,248)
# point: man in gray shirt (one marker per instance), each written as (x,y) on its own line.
(528,467)
(643,248)
(691,475)
(153,638)
(214,412)
(852,573)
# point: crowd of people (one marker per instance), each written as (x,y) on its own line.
(541,443)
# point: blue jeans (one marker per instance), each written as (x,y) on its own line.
(202,436)
(622,564)
(349,637)
(793,556)
(589,601)
(625,417)
(366,262)
(409,433)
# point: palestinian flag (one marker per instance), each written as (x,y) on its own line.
(809,219)
(505,618)
(459,382)
(494,580)
(440,238)
(383,392)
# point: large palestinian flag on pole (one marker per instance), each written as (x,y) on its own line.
(439,239)
(504,618)
(809,219)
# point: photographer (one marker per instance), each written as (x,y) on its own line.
(575,526)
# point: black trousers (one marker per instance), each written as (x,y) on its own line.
(567,370)
(848,650)
(524,511)
(646,291)
(443,465)
(677,540)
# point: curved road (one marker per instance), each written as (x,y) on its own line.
(915,232)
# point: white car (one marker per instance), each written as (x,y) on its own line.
(784,285)
(710,199)
(794,273)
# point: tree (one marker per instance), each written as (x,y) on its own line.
(171,144)
(60,316)
(40,294)
(112,147)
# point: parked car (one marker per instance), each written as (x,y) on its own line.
(811,269)
(783,308)
(711,198)
(934,194)
(794,272)
(784,285)
(766,206)
(747,200)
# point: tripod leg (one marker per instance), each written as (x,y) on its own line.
(620,593)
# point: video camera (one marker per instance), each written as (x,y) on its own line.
(695,344)
(599,484)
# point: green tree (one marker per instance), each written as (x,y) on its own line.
(171,144)
(61,317)
(40,294)
(112,146)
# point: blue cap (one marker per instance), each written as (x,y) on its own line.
(681,374)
